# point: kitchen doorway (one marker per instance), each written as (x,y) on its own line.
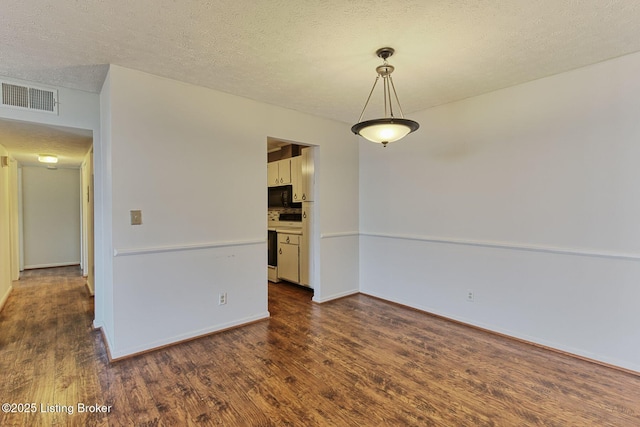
(292,214)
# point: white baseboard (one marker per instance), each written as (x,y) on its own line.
(117,354)
(52,265)
(335,296)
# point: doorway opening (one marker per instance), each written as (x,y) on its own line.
(50,206)
(292,205)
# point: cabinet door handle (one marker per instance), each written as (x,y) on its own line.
(281,180)
(295,196)
(304,196)
(304,214)
(287,239)
(280,252)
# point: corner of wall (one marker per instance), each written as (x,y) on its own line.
(5,231)
(5,297)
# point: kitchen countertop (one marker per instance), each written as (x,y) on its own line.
(282,229)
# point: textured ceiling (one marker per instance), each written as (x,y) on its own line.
(315,56)
(25,141)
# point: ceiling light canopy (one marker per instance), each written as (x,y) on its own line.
(47,158)
(389,128)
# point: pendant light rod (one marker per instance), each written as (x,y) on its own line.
(387,98)
(397,100)
(369,98)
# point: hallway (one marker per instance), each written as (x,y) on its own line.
(49,352)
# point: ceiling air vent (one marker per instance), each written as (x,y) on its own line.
(31,98)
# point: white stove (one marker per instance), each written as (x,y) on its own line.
(278,219)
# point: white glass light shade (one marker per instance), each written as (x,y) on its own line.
(386,130)
(47,158)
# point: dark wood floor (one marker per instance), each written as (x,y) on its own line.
(357,361)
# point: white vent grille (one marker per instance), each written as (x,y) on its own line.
(31,98)
(42,99)
(17,96)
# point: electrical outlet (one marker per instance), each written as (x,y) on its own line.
(222,298)
(470,296)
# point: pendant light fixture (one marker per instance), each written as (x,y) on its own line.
(390,128)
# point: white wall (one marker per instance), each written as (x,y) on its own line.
(103,220)
(51,216)
(15,206)
(194,161)
(527,196)
(5,232)
(87,196)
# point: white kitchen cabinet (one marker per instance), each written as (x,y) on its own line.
(272,274)
(305,252)
(279,173)
(289,257)
(284,171)
(272,174)
(296,179)
(308,174)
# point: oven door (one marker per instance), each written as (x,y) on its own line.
(273,249)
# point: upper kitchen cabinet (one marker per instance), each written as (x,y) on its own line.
(284,170)
(296,179)
(279,173)
(272,174)
(308,174)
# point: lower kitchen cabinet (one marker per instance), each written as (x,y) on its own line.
(305,242)
(289,257)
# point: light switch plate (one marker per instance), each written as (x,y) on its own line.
(136,217)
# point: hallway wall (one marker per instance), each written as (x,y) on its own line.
(51,217)
(5,235)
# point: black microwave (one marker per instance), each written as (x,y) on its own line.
(280,197)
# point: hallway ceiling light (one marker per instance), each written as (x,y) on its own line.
(47,158)
(389,128)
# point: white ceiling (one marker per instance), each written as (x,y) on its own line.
(25,141)
(315,56)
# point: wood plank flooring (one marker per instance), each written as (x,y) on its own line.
(357,361)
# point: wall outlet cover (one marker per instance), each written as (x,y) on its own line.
(136,217)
